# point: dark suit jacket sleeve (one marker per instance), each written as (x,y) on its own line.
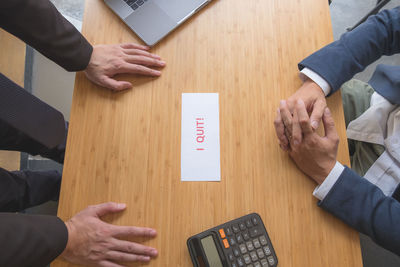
(39,24)
(364,207)
(341,60)
(39,241)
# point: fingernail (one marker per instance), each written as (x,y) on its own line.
(146,258)
(154,55)
(314,124)
(327,111)
(284,148)
(121,206)
(153,232)
(154,252)
(163,63)
(282,102)
(296,143)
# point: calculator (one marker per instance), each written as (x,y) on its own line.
(243,242)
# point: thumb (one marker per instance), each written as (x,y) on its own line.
(317,113)
(116,85)
(106,208)
(329,124)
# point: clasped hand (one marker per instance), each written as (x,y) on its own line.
(313,154)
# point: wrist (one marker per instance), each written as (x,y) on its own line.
(68,248)
(325,171)
(317,79)
(314,86)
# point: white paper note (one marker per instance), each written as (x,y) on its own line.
(200,150)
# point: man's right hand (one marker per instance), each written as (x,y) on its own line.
(314,100)
(92,242)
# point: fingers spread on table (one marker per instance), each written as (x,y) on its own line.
(133,248)
(132,231)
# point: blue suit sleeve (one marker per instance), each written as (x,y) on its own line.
(363,206)
(339,61)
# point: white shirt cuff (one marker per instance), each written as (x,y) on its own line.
(316,78)
(323,189)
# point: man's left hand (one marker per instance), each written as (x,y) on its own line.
(109,60)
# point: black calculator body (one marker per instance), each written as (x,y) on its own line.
(243,242)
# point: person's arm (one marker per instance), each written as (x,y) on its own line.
(339,61)
(364,207)
(39,24)
(35,240)
(352,198)
(30,240)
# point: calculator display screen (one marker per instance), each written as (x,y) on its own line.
(211,251)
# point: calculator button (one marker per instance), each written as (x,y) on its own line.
(264,263)
(232,241)
(234,264)
(246,236)
(235,228)
(260,253)
(253,256)
(247,258)
(250,265)
(243,248)
(263,240)
(222,233)
(236,252)
(254,232)
(228,231)
(242,226)
(240,262)
(239,238)
(249,224)
(256,243)
(249,245)
(230,256)
(271,260)
(257,264)
(254,220)
(267,251)
(226,244)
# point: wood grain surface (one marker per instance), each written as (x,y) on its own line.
(12,65)
(125,147)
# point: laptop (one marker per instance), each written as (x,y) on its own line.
(152,20)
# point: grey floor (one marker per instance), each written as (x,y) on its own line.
(344,14)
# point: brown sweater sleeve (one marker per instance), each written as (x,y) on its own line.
(31,240)
(39,24)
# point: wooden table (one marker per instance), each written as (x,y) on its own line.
(125,147)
